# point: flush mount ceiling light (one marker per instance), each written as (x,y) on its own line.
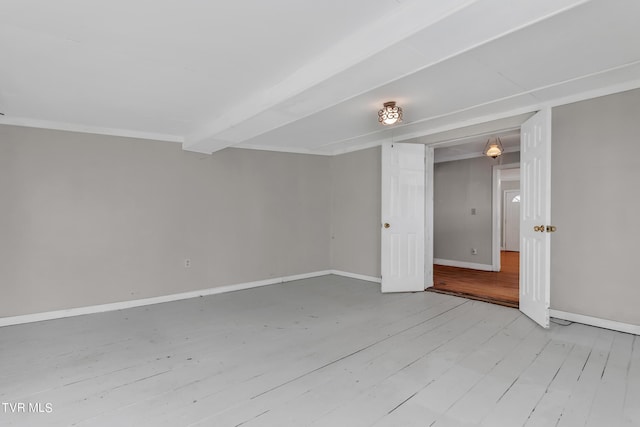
(390,113)
(493,149)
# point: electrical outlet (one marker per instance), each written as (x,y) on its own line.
(474,251)
(187,263)
(473,211)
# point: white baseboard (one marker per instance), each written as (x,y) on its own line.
(356,276)
(596,321)
(58,314)
(462,264)
(303,276)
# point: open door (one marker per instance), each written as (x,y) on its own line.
(403,217)
(535,215)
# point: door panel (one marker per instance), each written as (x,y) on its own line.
(403,218)
(535,215)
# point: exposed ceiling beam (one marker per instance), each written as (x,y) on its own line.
(363,44)
(370,58)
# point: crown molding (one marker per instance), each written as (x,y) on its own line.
(74,127)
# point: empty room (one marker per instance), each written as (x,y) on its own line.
(303,213)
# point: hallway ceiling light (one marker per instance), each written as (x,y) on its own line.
(493,149)
(390,113)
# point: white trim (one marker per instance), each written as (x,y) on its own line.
(356,276)
(79,311)
(282,149)
(74,127)
(304,276)
(596,321)
(344,149)
(463,264)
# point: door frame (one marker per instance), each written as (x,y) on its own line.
(496,229)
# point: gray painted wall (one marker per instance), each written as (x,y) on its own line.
(355,212)
(460,186)
(89,219)
(510,185)
(595,205)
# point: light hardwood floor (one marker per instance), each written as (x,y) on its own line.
(328,351)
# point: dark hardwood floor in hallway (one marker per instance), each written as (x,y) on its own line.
(495,287)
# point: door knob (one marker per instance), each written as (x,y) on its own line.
(539,228)
(387,225)
(551,228)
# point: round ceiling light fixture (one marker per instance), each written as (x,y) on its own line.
(493,149)
(390,113)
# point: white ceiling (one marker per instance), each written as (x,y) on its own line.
(304,75)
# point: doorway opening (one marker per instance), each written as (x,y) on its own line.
(498,287)
(476,222)
(418,226)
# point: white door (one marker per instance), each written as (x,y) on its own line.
(403,218)
(512,220)
(535,211)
